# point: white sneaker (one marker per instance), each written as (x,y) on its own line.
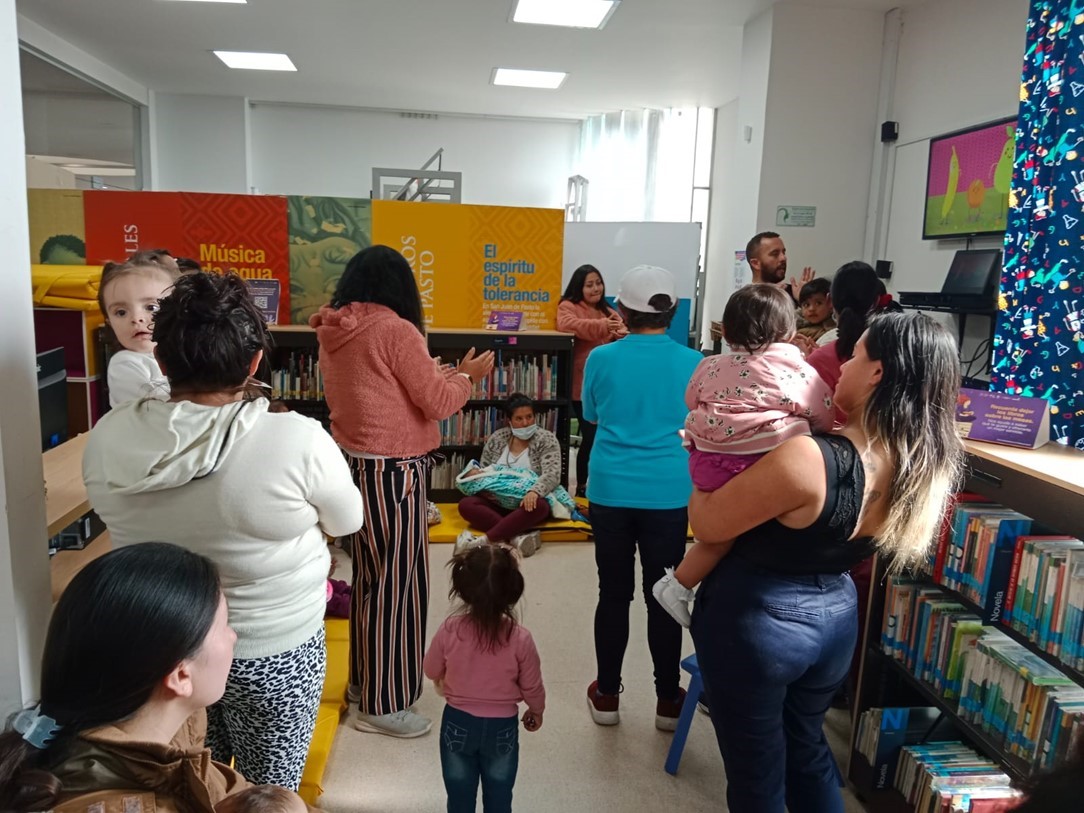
(674,597)
(467,540)
(527,544)
(402,724)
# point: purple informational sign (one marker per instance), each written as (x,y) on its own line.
(265,293)
(504,320)
(998,418)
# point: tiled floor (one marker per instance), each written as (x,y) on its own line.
(570,765)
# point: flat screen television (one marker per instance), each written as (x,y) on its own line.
(968,179)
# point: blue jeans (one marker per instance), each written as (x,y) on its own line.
(660,535)
(773,649)
(473,748)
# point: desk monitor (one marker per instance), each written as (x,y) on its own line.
(974,273)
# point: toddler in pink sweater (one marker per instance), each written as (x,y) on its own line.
(741,407)
(484,663)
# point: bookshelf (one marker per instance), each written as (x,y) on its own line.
(1046,485)
(537,362)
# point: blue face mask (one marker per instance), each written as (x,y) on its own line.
(525,432)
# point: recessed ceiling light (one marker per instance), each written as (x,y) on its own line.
(209,1)
(512,77)
(568,13)
(255,61)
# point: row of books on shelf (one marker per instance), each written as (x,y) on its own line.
(298,378)
(474,426)
(934,777)
(443,474)
(1025,706)
(533,375)
(1031,582)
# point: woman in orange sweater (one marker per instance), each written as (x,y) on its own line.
(386,395)
(585,312)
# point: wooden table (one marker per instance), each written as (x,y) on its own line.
(1046,483)
(65,502)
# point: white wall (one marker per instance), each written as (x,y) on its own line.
(25,594)
(79,126)
(736,173)
(331,151)
(201,143)
(959,64)
(41,175)
(719,263)
(820,129)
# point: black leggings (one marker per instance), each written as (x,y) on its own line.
(583,455)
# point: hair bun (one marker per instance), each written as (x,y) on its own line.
(209,298)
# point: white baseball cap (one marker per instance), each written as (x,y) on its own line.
(642,283)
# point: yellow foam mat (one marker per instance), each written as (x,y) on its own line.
(332,705)
(557,530)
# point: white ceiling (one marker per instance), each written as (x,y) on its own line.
(424,55)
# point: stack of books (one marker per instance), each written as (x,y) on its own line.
(928,632)
(474,426)
(949,777)
(1009,693)
(1031,582)
(533,375)
(1025,706)
(443,474)
(298,378)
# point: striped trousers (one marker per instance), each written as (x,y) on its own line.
(391,583)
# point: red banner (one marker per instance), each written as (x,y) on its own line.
(245,234)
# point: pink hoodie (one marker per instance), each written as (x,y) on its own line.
(384,391)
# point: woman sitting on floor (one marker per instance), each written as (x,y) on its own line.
(523,444)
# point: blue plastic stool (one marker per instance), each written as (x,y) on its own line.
(688,709)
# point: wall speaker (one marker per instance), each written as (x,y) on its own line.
(890,131)
(883,269)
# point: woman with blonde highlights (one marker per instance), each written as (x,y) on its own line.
(775,622)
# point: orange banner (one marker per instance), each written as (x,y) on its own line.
(470,260)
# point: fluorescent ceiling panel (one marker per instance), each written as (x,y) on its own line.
(256,61)
(208,1)
(567,13)
(513,77)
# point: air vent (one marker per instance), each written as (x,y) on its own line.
(406,115)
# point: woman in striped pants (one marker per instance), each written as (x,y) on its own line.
(386,396)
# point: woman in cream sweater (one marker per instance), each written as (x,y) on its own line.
(213,471)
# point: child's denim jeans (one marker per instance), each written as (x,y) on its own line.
(473,748)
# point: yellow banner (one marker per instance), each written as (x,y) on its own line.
(470,260)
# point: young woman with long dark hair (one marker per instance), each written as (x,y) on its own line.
(585,312)
(138,645)
(775,622)
(386,396)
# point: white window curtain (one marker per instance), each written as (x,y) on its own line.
(639,164)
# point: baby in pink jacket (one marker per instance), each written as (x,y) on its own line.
(741,407)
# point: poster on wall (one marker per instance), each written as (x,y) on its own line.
(242,234)
(471,260)
(324,233)
(57,230)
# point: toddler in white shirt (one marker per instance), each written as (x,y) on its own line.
(128,296)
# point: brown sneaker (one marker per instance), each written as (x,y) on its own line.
(603,706)
(667,712)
